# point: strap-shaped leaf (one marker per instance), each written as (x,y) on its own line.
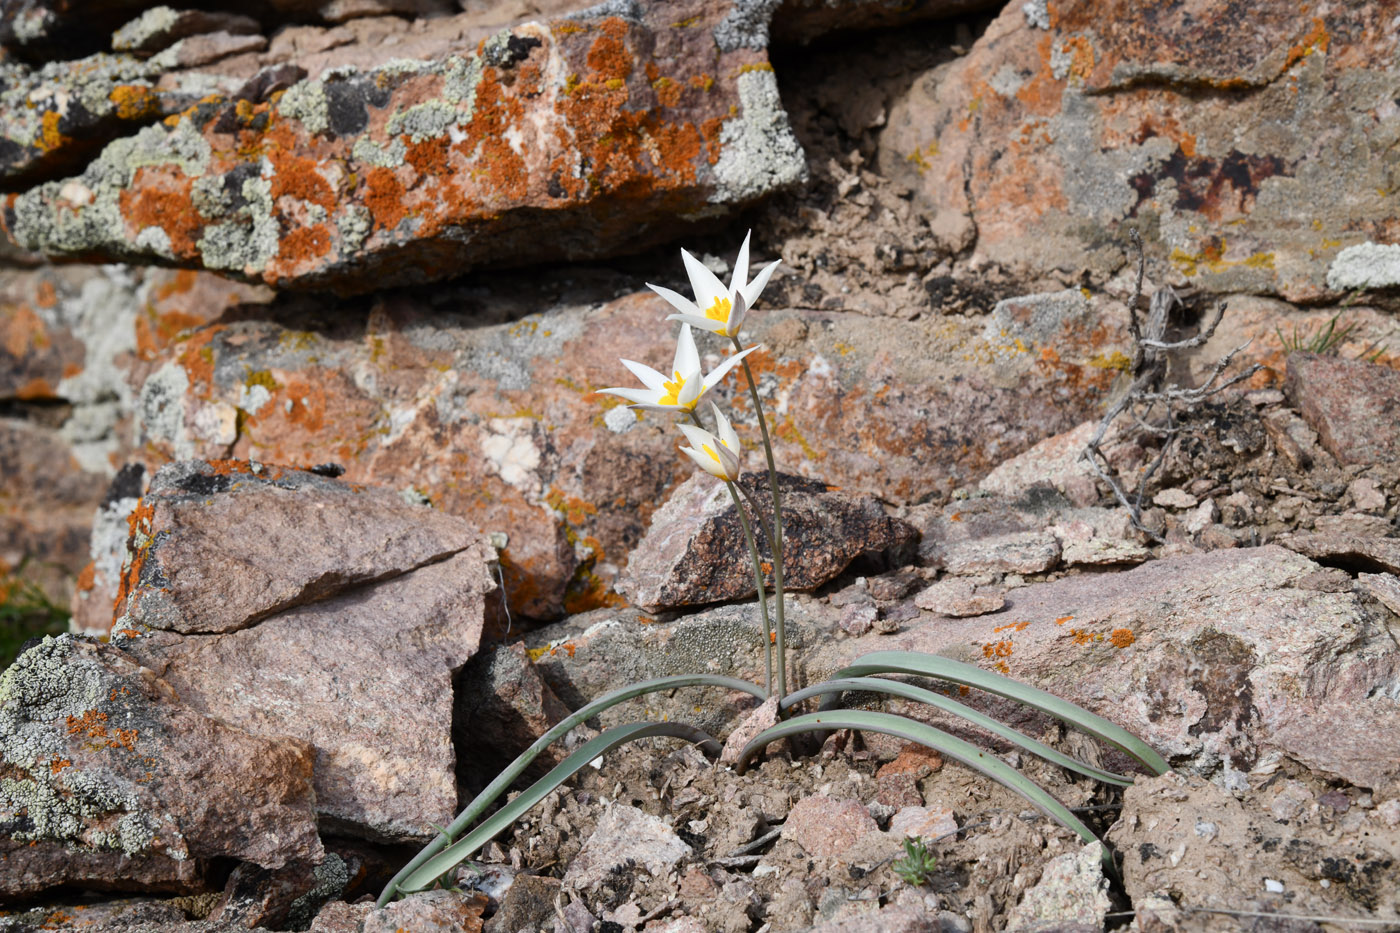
(930,665)
(441,863)
(503,781)
(947,745)
(962,711)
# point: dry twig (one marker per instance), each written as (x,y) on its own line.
(1149,388)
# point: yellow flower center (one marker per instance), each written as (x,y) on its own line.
(673,392)
(719,311)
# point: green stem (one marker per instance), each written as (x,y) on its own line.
(762,521)
(777,525)
(757,572)
(758,585)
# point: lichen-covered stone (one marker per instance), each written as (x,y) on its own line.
(1249,159)
(604,126)
(100,755)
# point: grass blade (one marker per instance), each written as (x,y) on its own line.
(962,711)
(502,782)
(446,860)
(929,665)
(947,745)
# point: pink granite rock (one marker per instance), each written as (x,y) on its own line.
(823,826)
(1353,405)
(347,598)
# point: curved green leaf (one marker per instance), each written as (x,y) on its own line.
(947,745)
(929,665)
(962,711)
(502,782)
(439,864)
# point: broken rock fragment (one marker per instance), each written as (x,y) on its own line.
(288,603)
(1353,405)
(694,553)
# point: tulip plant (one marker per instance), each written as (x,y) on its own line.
(721,310)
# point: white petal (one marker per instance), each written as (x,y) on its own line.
(707,288)
(698,437)
(755,288)
(727,435)
(650,378)
(740,277)
(678,301)
(632,395)
(723,368)
(738,310)
(687,357)
(652,406)
(696,320)
(705,462)
(692,390)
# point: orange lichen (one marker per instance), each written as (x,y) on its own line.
(1317,40)
(1121,637)
(36,388)
(299,177)
(1082,637)
(126,738)
(305,243)
(57,764)
(1014,626)
(134,101)
(1063,619)
(430,157)
(1081,55)
(608,56)
(1000,649)
(45,295)
(161,198)
(384,196)
(89,724)
(23,331)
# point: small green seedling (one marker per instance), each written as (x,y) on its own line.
(916,868)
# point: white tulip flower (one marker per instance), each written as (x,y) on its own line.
(715,308)
(685,387)
(717,454)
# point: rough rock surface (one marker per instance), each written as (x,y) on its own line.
(625,837)
(1072,890)
(487,405)
(102,756)
(694,552)
(606,125)
(386,604)
(1353,405)
(1227,656)
(278,539)
(1181,834)
(1249,160)
(823,826)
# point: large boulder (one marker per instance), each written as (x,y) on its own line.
(118,783)
(1250,158)
(571,139)
(288,603)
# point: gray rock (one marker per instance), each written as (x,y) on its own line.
(694,552)
(625,835)
(1072,890)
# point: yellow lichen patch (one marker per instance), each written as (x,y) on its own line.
(1115,360)
(134,101)
(1212,259)
(788,432)
(264,378)
(49,136)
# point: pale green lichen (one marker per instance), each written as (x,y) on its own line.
(758,151)
(153,22)
(1366,265)
(250,241)
(370,152)
(424,121)
(306,101)
(354,224)
(460,78)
